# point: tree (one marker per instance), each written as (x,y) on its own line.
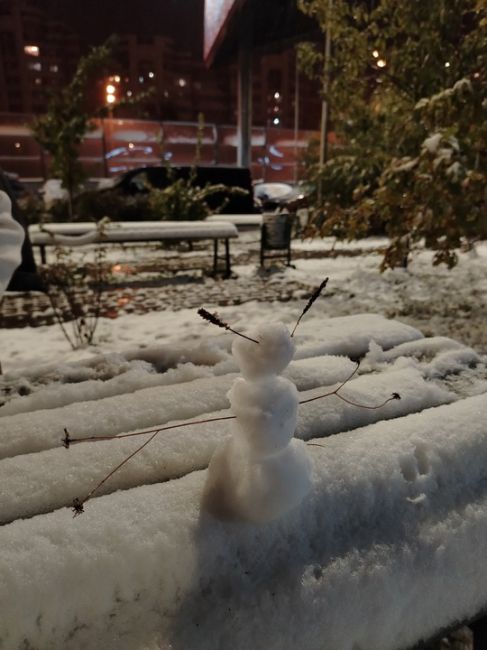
(67,120)
(61,130)
(401,73)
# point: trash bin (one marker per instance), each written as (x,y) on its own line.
(276,236)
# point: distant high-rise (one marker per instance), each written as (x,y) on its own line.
(38,55)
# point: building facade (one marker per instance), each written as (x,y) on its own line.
(39,54)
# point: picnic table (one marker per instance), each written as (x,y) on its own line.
(387,551)
(85,233)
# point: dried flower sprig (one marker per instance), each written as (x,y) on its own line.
(214,319)
(314,296)
(78,504)
(394,396)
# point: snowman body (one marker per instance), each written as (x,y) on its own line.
(262,471)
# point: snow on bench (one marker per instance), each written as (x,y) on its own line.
(385,551)
(33,483)
(31,432)
(126,231)
(242,221)
(347,335)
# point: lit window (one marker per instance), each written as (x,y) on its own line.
(54,68)
(447,64)
(131,145)
(17,145)
(181,82)
(151,75)
(277,95)
(116,78)
(35,65)
(276,121)
(31,50)
(141,79)
(129,93)
(38,81)
(375,54)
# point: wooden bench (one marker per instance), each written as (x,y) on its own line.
(85,233)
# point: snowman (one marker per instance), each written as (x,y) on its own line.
(261,471)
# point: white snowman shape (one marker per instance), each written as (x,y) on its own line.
(262,471)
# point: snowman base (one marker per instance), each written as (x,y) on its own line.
(242,487)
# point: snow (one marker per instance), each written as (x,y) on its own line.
(270,351)
(11,238)
(38,482)
(397,511)
(261,472)
(76,234)
(384,550)
(27,432)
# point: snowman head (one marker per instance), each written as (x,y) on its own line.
(273,352)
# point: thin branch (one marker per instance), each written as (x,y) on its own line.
(365,406)
(67,440)
(78,504)
(214,319)
(333,392)
(314,296)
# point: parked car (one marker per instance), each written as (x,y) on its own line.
(140,180)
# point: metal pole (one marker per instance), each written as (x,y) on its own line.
(325,104)
(296,118)
(244,118)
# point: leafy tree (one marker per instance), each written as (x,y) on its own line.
(401,73)
(67,120)
(61,130)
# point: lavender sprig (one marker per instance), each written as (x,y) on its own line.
(314,296)
(214,319)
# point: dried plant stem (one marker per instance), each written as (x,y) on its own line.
(314,296)
(365,406)
(214,319)
(79,503)
(119,466)
(333,392)
(67,441)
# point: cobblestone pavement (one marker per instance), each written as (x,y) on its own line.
(139,287)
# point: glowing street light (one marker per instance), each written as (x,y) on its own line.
(110,89)
(111,99)
(381,63)
(375,54)
(32,50)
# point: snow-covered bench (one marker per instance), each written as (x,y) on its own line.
(84,233)
(386,551)
(242,221)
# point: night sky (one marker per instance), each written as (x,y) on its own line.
(95,20)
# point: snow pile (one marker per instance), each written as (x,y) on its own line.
(33,483)
(397,510)
(261,472)
(38,430)
(11,238)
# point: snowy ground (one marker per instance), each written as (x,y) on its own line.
(437,301)
(385,550)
